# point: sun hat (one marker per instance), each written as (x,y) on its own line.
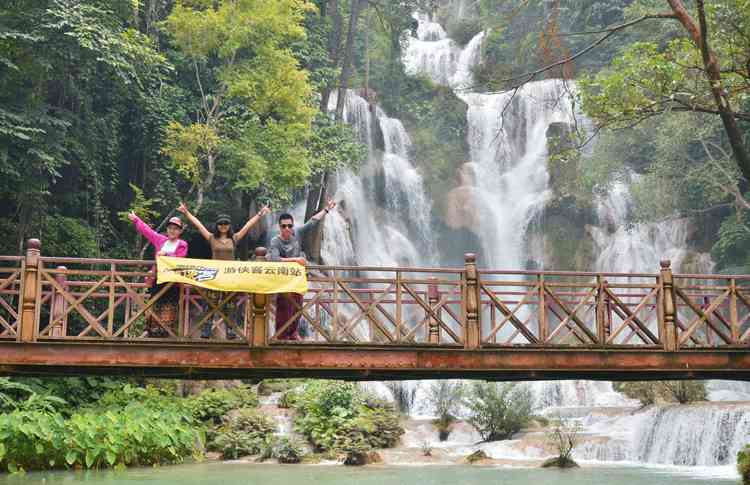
(223,219)
(176,221)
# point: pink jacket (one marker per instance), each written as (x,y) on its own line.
(158,240)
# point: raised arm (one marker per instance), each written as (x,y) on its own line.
(194,221)
(251,222)
(330,205)
(314,220)
(152,236)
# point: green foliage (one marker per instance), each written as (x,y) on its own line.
(69,237)
(498,411)
(445,397)
(266,387)
(732,247)
(15,396)
(562,438)
(245,432)
(743,464)
(288,450)
(134,435)
(212,404)
(76,391)
(651,392)
(334,417)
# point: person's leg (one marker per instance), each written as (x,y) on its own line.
(294,327)
(284,312)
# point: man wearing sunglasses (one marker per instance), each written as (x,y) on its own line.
(287,246)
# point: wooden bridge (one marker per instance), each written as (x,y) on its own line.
(61,316)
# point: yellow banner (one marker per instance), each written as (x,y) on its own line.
(244,276)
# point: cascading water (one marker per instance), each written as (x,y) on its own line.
(625,247)
(379,226)
(506,182)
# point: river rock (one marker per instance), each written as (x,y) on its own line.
(477,456)
(560,462)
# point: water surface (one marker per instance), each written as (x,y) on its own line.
(250,474)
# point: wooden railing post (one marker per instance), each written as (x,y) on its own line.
(433,296)
(30,289)
(601,308)
(59,305)
(669,338)
(472,328)
(260,310)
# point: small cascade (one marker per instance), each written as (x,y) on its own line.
(386,212)
(551,396)
(628,247)
(694,435)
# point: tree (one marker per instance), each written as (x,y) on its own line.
(69,73)
(701,68)
(255,100)
(563,438)
(498,411)
(445,397)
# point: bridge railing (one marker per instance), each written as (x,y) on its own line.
(11,290)
(82,299)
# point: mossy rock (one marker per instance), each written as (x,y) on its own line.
(477,456)
(362,458)
(560,462)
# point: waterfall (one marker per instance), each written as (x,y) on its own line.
(385,212)
(694,435)
(626,247)
(385,219)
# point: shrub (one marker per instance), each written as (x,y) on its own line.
(267,387)
(563,438)
(683,392)
(743,464)
(445,397)
(134,435)
(498,411)
(386,429)
(212,404)
(426,448)
(288,398)
(244,433)
(288,450)
(649,392)
(335,415)
(19,396)
(148,396)
(353,443)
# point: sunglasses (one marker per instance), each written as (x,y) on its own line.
(286,226)
(223,224)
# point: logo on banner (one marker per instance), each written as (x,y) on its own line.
(195,273)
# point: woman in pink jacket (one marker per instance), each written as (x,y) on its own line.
(167,307)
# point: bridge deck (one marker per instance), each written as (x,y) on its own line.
(75,315)
(228,361)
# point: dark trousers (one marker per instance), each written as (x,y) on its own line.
(285,310)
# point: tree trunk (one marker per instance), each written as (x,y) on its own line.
(316,199)
(699,35)
(333,49)
(367,57)
(346,67)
